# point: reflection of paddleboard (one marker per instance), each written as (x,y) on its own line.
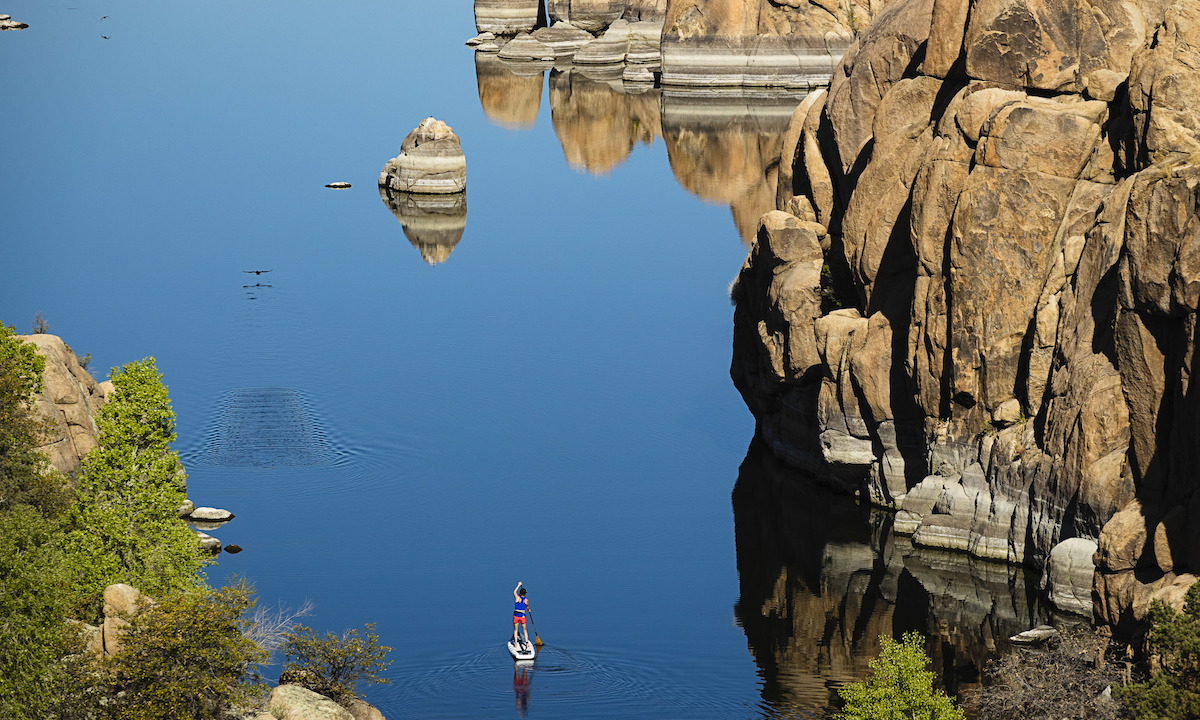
(521,650)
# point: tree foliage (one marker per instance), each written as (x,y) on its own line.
(184,658)
(25,474)
(333,666)
(1173,692)
(127,528)
(899,687)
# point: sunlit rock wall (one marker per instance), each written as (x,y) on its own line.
(758,43)
(71,400)
(998,334)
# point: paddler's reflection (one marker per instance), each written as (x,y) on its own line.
(522,675)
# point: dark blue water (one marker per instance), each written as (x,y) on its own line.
(403,441)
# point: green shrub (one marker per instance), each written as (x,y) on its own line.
(184,658)
(1173,640)
(899,687)
(125,529)
(333,666)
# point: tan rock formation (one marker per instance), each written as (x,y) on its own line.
(431,161)
(1016,243)
(506,17)
(721,43)
(71,399)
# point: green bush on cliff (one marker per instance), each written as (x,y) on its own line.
(332,665)
(32,572)
(126,527)
(899,687)
(1172,693)
(185,658)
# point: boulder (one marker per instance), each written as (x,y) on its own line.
(208,543)
(1039,635)
(593,16)
(431,161)
(363,710)
(611,48)
(1069,575)
(292,702)
(506,17)
(524,48)
(563,38)
(121,603)
(71,400)
(7,23)
(210,515)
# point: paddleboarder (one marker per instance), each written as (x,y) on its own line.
(520,611)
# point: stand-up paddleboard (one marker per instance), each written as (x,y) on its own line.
(521,650)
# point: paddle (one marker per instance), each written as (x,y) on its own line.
(536,640)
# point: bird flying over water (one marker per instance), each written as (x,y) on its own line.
(256,272)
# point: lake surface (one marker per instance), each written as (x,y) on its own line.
(406,426)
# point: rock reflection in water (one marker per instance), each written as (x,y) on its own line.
(596,123)
(509,98)
(822,577)
(724,148)
(432,223)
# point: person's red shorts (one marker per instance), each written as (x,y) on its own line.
(518,619)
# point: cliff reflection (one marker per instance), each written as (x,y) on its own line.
(598,124)
(724,149)
(821,578)
(432,223)
(509,97)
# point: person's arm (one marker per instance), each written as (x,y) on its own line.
(517,597)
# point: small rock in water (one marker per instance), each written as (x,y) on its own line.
(338,185)
(233,549)
(7,23)
(210,514)
(208,543)
(431,160)
(481,38)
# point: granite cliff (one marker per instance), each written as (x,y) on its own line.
(976,300)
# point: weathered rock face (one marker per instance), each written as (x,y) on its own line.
(71,399)
(292,702)
(1008,301)
(506,17)
(772,43)
(591,15)
(431,161)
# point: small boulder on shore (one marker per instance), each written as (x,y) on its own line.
(210,515)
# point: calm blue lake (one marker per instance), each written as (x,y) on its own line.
(403,441)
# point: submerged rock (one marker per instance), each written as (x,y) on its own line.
(431,160)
